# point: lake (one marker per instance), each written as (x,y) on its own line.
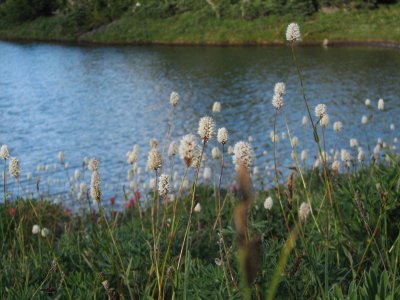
(99,101)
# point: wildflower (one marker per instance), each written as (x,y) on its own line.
(345,155)
(215,153)
(93,164)
(95,187)
(206,128)
(207,173)
(85,161)
(153,143)
(325,120)
(367,102)
(187,148)
(216,107)
(197,208)
(336,166)
(83,188)
(364,120)
(337,126)
(45,232)
(61,157)
(35,229)
(243,154)
(14,167)
(392,127)
(320,110)
(4,153)
(77,175)
(381,104)
(197,158)
(277,99)
(295,141)
(268,203)
(304,211)
(173,149)
(133,155)
(305,120)
(293,33)
(174,98)
(361,155)
(112,200)
(218,262)
(222,136)
(353,143)
(154,161)
(163,185)
(304,155)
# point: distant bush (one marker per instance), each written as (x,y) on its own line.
(21,10)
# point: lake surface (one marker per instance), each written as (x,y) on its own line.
(99,101)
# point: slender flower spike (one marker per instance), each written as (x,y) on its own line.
(242,154)
(293,33)
(268,203)
(222,136)
(216,107)
(61,157)
(277,99)
(35,229)
(154,161)
(4,153)
(163,185)
(187,148)
(337,126)
(93,165)
(173,149)
(95,187)
(381,104)
(320,110)
(206,128)
(14,167)
(197,208)
(304,211)
(174,98)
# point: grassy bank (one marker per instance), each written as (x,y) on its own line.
(379,25)
(359,262)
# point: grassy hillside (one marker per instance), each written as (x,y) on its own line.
(193,28)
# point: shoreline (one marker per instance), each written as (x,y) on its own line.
(85,42)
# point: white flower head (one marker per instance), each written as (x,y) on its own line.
(197,208)
(61,156)
(295,141)
(381,104)
(154,160)
(268,203)
(392,127)
(206,128)
(187,148)
(13,167)
(243,154)
(304,211)
(361,155)
(304,155)
(207,173)
(45,232)
(293,33)
(83,188)
(277,99)
(153,143)
(367,102)
(364,120)
(93,165)
(215,153)
(216,107)
(35,229)
(95,187)
(320,110)
(77,175)
(222,135)
(174,98)
(163,185)
(173,149)
(4,153)
(304,121)
(336,165)
(337,126)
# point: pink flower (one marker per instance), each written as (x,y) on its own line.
(131,203)
(12,212)
(112,200)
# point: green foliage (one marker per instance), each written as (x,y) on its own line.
(23,10)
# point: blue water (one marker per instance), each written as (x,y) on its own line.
(99,101)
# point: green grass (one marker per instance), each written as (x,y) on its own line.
(84,249)
(197,28)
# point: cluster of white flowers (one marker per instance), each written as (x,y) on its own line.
(222,135)
(216,107)
(173,149)
(61,156)
(95,187)
(207,173)
(187,148)
(215,153)
(13,167)
(293,33)
(304,211)
(174,98)
(163,185)
(243,154)
(206,128)
(268,203)
(154,160)
(277,99)
(4,153)
(337,126)
(132,156)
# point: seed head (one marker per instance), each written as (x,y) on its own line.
(187,148)
(243,154)
(364,120)
(367,102)
(174,98)
(95,187)
(206,128)
(61,156)
(13,167)
(163,185)
(215,153)
(222,136)
(337,126)
(35,229)
(320,110)
(197,208)
(293,33)
(154,161)
(93,165)
(216,107)
(207,173)
(4,153)
(173,149)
